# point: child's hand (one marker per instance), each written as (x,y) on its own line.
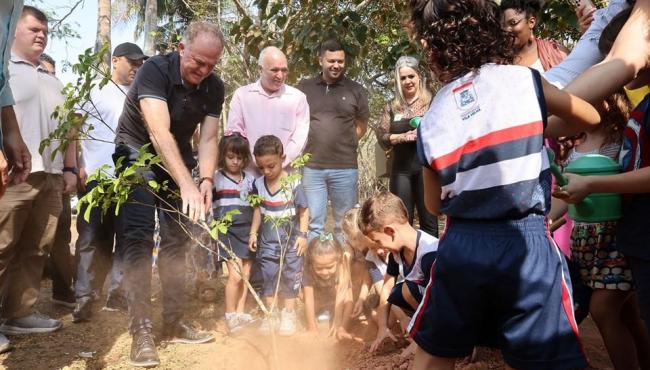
(575,191)
(252,243)
(408,351)
(358,308)
(342,335)
(381,336)
(301,245)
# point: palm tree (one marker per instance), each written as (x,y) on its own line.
(150,25)
(104,29)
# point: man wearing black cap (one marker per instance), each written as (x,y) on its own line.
(95,243)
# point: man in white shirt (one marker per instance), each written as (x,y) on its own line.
(95,243)
(29,211)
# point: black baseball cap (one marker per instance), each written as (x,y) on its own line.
(129,50)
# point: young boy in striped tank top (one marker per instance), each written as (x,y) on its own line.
(279,245)
(231,188)
(498,278)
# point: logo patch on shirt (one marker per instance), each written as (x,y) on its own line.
(466,99)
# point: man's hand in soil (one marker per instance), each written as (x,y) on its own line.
(193,205)
(381,336)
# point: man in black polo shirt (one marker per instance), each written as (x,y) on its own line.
(170,96)
(339,115)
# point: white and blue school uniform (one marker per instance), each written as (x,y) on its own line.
(227,195)
(498,279)
(415,274)
(274,243)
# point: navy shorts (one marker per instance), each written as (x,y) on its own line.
(503,283)
(268,260)
(396,296)
(237,240)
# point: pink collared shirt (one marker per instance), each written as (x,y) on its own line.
(285,114)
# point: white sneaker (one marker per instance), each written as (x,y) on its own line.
(233,322)
(245,318)
(287,323)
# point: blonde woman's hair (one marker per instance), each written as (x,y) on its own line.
(423,93)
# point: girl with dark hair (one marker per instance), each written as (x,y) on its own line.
(498,279)
(231,187)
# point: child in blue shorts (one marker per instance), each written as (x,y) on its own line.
(498,276)
(384,220)
(278,243)
(231,187)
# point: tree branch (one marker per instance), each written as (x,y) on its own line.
(58,22)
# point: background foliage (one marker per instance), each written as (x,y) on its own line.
(373,31)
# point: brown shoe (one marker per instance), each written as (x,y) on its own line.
(143,349)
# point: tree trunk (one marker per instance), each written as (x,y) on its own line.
(150,27)
(104,30)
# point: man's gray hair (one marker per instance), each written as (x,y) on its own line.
(202,27)
(266,50)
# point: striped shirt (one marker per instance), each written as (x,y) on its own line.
(483,135)
(279,205)
(229,194)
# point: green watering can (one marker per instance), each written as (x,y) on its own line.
(597,207)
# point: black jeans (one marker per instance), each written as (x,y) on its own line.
(136,238)
(410,189)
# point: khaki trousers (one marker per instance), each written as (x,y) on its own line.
(28,218)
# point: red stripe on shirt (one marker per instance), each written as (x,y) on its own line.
(228,191)
(491,139)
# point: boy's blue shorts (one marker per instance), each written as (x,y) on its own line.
(396,296)
(291,277)
(503,283)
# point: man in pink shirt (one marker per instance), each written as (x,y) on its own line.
(270,107)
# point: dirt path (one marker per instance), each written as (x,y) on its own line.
(104,344)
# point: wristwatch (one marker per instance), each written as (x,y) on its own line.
(74,170)
(302,234)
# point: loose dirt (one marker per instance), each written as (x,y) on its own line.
(104,343)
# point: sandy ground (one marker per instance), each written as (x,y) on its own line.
(104,344)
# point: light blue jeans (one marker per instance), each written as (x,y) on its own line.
(339,185)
